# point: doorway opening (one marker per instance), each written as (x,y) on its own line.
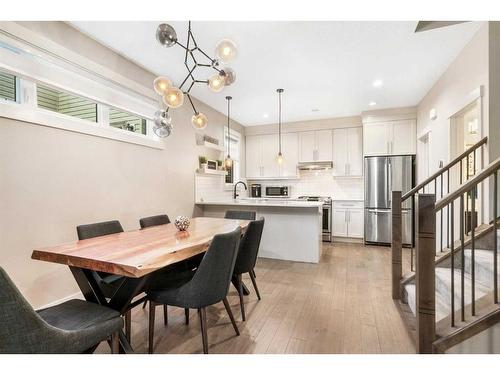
(465,131)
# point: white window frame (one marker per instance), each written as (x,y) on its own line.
(30,69)
(235,158)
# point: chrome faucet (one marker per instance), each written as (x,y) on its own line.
(235,195)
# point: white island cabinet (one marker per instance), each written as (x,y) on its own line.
(292,229)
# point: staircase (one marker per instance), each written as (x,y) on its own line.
(450,292)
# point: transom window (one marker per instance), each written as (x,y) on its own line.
(127,121)
(8,86)
(65,103)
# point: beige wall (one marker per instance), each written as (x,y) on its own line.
(467,72)
(52,180)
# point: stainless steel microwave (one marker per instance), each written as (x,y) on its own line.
(278,191)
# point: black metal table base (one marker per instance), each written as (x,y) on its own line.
(120,301)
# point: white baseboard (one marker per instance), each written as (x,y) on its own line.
(77,295)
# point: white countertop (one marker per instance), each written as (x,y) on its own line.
(263,202)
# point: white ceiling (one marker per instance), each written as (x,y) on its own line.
(327,66)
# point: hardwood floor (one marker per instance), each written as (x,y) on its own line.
(341,305)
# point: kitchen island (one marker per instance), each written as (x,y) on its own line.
(292,230)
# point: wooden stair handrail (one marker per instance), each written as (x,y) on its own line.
(468,185)
(444,169)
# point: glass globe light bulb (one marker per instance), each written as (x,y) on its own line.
(173,97)
(228,162)
(229,76)
(216,83)
(161,85)
(166,35)
(279,159)
(226,50)
(162,124)
(199,121)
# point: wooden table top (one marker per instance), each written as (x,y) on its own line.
(139,252)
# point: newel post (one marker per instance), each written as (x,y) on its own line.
(425,277)
(397,241)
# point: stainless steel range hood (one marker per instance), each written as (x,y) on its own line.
(315,165)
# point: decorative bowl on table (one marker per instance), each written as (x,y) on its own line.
(182,223)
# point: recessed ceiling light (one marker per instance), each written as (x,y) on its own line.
(315,110)
(265,115)
(371,104)
(378,83)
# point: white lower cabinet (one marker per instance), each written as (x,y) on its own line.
(347,219)
(339,222)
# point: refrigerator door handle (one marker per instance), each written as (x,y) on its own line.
(377,210)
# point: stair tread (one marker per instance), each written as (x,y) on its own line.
(443,297)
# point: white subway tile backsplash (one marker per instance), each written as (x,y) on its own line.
(213,188)
(322,183)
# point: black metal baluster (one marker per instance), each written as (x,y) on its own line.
(462,260)
(452,269)
(495,239)
(441,217)
(448,211)
(473,245)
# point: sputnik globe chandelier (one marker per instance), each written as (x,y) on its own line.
(194,58)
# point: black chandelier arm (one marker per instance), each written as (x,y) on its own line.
(191,101)
(190,86)
(190,74)
(181,45)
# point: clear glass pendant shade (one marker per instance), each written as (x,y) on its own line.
(216,83)
(161,85)
(226,50)
(199,121)
(173,97)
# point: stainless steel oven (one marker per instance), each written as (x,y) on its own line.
(327,215)
(278,191)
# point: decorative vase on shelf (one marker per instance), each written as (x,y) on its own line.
(182,223)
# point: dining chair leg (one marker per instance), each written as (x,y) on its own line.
(203,322)
(165,314)
(128,325)
(230,313)
(240,293)
(252,277)
(115,343)
(152,308)
(254,274)
(186,314)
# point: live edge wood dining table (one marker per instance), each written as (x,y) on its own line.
(135,255)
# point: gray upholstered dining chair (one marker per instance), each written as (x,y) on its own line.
(169,275)
(108,283)
(247,257)
(74,326)
(208,286)
(152,221)
(240,215)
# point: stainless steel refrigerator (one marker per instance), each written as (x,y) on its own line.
(383,174)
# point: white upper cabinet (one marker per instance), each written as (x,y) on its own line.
(262,153)
(253,156)
(290,150)
(355,151)
(404,137)
(315,146)
(307,146)
(270,166)
(324,145)
(348,152)
(376,138)
(390,138)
